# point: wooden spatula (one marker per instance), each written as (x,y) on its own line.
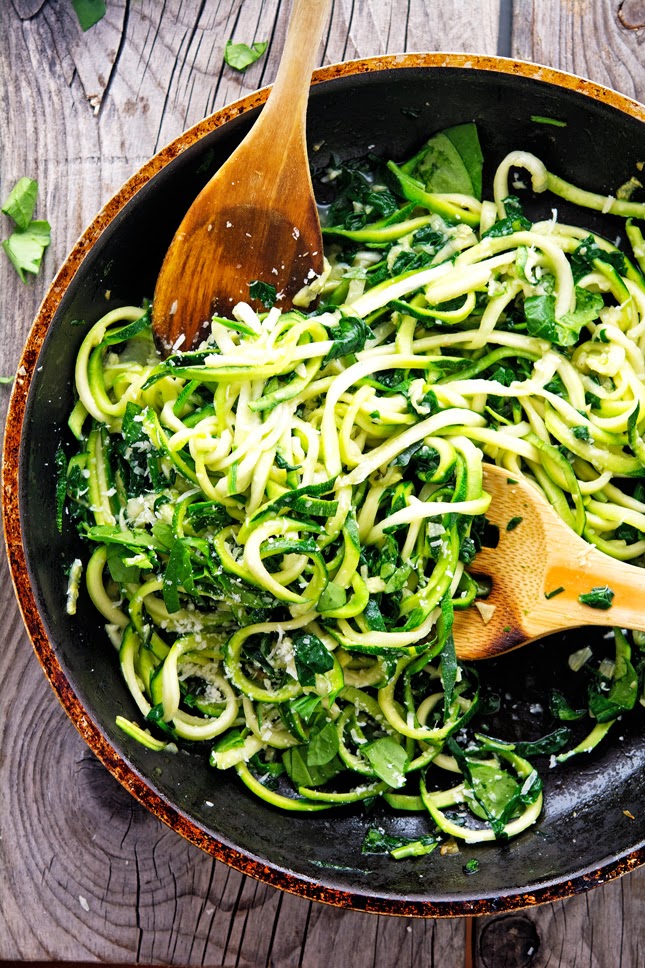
(256,219)
(538,569)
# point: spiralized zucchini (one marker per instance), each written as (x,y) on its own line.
(281,521)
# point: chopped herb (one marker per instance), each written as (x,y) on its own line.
(554,592)
(513,523)
(264,292)
(511,480)
(599,597)
(241,56)
(89,12)
(21,202)
(581,432)
(471,866)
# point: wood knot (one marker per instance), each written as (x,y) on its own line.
(509,942)
(631,14)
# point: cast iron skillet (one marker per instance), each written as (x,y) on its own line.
(388,105)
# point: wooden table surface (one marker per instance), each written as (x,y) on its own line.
(86,874)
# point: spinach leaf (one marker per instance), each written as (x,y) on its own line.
(540,317)
(241,56)
(608,698)
(303,773)
(323,745)
(89,12)
(560,708)
(582,260)
(311,658)
(493,788)
(552,743)
(264,292)
(179,572)
(388,759)
(451,161)
(332,597)
(61,485)
(378,842)
(25,248)
(21,201)
(201,514)
(117,567)
(349,336)
(305,706)
(514,220)
(599,597)
(231,740)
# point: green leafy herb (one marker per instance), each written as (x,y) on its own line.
(545,746)
(284,465)
(581,432)
(332,597)
(61,485)
(560,708)
(241,56)
(89,12)
(582,260)
(378,842)
(349,336)
(471,866)
(388,759)
(303,773)
(323,745)
(554,592)
(311,658)
(179,572)
(25,248)
(305,706)
(264,292)
(451,161)
(230,741)
(21,202)
(599,597)
(540,119)
(541,321)
(513,523)
(608,698)
(514,220)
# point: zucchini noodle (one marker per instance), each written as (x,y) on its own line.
(281,522)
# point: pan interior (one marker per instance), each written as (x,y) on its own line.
(391,113)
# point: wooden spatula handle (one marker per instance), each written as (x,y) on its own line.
(578,570)
(298,61)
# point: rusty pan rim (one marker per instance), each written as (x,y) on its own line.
(133,782)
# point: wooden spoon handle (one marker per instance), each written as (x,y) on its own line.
(291,86)
(582,567)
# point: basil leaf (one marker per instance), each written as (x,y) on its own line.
(388,759)
(25,248)
(323,745)
(241,56)
(599,597)
(349,336)
(305,706)
(89,12)
(311,658)
(21,201)
(264,292)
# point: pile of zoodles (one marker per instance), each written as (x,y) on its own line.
(280,523)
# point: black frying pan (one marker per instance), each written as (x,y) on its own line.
(389,106)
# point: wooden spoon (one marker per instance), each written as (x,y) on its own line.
(256,219)
(534,559)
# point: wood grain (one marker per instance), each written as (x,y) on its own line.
(86,874)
